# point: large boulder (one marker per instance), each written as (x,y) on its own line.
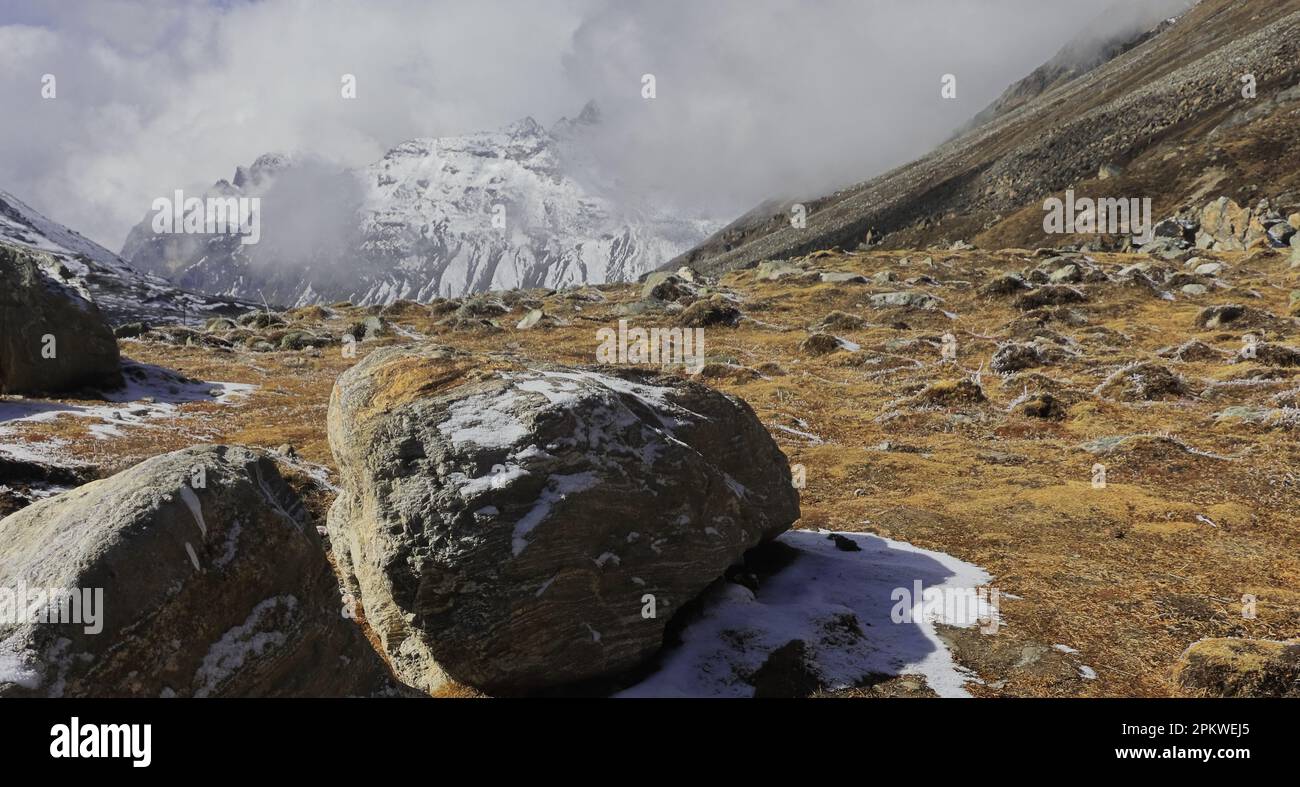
(1224,226)
(516,528)
(52,337)
(1235,667)
(195,573)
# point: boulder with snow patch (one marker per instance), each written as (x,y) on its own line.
(52,337)
(517,527)
(195,573)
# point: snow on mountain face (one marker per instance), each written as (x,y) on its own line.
(518,207)
(122,293)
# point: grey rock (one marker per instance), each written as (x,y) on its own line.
(130,330)
(52,337)
(530,320)
(774,270)
(374,326)
(910,299)
(843,277)
(507,528)
(1066,274)
(214,583)
(1006,284)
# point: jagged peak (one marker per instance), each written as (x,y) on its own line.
(523,127)
(589,116)
(263,167)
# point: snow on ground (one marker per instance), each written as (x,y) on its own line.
(810,600)
(151,393)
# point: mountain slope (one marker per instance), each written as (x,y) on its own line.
(1153,111)
(517,207)
(122,293)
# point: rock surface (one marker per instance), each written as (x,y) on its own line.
(52,338)
(506,526)
(1232,667)
(214,583)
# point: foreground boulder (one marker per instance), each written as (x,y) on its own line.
(516,528)
(52,338)
(1233,667)
(195,573)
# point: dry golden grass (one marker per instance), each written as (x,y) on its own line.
(1129,575)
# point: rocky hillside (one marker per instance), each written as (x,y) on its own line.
(121,292)
(1165,118)
(522,206)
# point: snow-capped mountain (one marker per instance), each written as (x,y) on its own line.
(122,293)
(522,206)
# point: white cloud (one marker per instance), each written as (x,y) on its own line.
(756,98)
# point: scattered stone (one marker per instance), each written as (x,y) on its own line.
(131,330)
(1109,171)
(481,307)
(844,543)
(947,393)
(1016,356)
(261,320)
(403,308)
(301,340)
(1268,354)
(1192,351)
(1213,317)
(904,300)
(1050,295)
(821,344)
(667,287)
(1006,284)
(371,327)
(219,325)
(530,320)
(727,371)
(839,321)
(837,277)
(716,310)
(774,270)
(1042,405)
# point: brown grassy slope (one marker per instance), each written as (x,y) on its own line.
(1128,575)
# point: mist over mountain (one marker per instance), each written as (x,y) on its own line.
(754,100)
(522,206)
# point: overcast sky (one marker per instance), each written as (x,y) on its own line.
(755,98)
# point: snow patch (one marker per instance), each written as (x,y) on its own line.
(838,603)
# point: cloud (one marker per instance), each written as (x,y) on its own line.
(755,98)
